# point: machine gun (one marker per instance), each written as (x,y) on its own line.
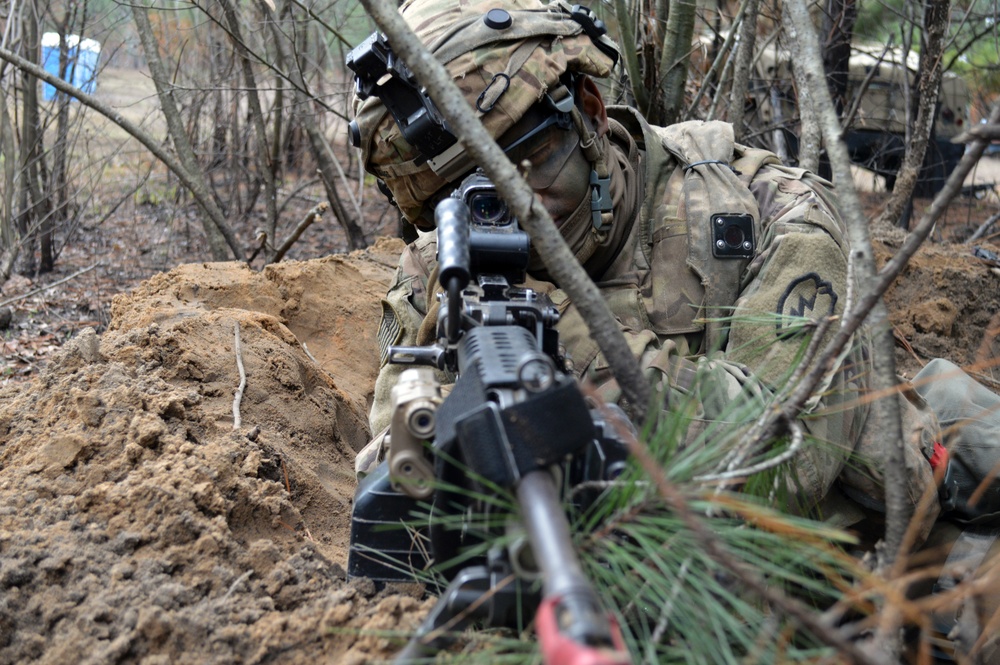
(515,420)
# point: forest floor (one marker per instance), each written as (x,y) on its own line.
(140,523)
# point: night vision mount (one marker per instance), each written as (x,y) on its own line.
(377,70)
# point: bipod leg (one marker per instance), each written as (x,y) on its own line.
(477,593)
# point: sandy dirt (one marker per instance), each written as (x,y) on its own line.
(137,526)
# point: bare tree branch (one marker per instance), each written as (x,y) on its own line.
(863,268)
(307,221)
(675,57)
(720,58)
(321,150)
(555,253)
(198,191)
(987,132)
(10,239)
(178,133)
(261,155)
(741,73)
(929,85)
(42,289)
(983,228)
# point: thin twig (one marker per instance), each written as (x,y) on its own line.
(261,238)
(347,188)
(284,470)
(668,606)
(309,353)
(782,415)
(984,227)
(873,71)
(777,460)
(307,221)
(232,587)
(720,57)
(49,286)
(237,421)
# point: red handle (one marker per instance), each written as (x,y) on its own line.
(560,649)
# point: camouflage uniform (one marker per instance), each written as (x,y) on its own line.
(655,267)
(664,284)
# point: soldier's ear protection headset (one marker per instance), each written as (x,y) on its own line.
(379,71)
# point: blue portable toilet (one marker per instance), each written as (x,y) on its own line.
(81,68)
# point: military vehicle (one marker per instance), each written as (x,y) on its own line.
(876,137)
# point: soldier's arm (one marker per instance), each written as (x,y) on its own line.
(799,277)
(403,310)
(800,274)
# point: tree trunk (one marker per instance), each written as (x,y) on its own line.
(59,156)
(31,205)
(741,74)
(675,57)
(810,134)
(626,28)
(217,230)
(10,239)
(838,29)
(862,268)
(261,156)
(936,14)
(320,147)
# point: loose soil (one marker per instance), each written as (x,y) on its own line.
(138,525)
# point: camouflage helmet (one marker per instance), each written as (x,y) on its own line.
(511,64)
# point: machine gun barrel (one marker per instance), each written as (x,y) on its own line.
(452,218)
(572,626)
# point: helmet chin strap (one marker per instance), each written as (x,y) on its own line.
(579,233)
(589,226)
(601,206)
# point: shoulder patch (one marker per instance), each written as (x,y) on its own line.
(808,296)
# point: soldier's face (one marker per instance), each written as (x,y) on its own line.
(554,166)
(559,173)
(570,183)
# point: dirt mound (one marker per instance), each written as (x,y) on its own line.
(136,525)
(946,304)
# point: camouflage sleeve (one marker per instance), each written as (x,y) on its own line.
(799,274)
(403,310)
(799,277)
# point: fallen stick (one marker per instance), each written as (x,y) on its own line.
(981,231)
(310,217)
(48,286)
(238,397)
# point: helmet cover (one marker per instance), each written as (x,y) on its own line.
(539,44)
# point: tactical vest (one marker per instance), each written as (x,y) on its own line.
(694,172)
